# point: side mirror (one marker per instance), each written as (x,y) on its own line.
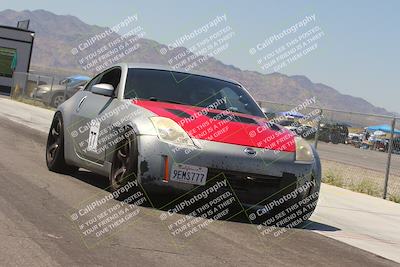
(103,89)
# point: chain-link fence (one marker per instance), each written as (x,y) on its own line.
(354,147)
(393,168)
(50,91)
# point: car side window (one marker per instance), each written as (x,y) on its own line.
(65,81)
(94,81)
(112,77)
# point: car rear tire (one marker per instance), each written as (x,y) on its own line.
(125,161)
(55,159)
(57,99)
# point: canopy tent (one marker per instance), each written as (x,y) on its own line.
(384,128)
(293,114)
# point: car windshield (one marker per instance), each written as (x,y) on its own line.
(188,89)
(71,82)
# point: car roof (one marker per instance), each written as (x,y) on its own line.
(79,77)
(167,68)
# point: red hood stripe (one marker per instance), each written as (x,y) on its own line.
(200,125)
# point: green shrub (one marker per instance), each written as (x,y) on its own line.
(394,198)
(366,187)
(333,177)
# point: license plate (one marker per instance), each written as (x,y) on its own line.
(188,174)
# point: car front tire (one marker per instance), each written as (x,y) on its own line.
(125,161)
(55,159)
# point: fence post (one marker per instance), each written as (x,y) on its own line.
(47,103)
(13,85)
(65,91)
(25,84)
(318,129)
(389,159)
(37,88)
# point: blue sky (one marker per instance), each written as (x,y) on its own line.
(358,55)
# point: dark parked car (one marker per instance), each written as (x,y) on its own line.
(335,133)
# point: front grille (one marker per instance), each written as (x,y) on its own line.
(244,180)
(258,187)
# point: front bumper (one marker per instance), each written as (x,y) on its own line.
(252,178)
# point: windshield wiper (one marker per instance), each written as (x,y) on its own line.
(231,109)
(152,98)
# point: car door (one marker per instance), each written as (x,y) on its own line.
(94,115)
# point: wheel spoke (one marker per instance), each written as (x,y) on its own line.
(55,132)
(123,153)
(52,149)
(121,157)
(127,148)
(127,161)
(58,127)
(121,163)
(119,173)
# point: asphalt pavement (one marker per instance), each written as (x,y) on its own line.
(349,155)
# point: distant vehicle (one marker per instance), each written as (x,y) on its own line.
(335,133)
(305,131)
(289,124)
(55,95)
(354,139)
(396,145)
(382,145)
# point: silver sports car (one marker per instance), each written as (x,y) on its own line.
(174,131)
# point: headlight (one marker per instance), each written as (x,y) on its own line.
(170,132)
(42,89)
(304,152)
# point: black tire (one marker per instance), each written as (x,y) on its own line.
(125,161)
(57,99)
(335,138)
(55,159)
(308,208)
(314,191)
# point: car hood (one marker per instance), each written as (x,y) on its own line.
(224,126)
(46,87)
